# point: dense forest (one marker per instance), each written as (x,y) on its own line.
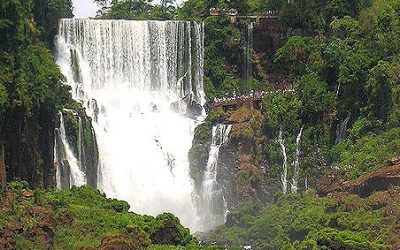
(341,59)
(343,65)
(31,86)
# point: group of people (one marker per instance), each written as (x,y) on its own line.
(233,12)
(271,13)
(250,96)
(218,11)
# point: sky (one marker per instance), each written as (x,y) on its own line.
(84,8)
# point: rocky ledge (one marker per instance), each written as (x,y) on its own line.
(378,180)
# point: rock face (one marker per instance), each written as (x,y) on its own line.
(28,147)
(198,156)
(269,35)
(378,180)
(228,167)
(82,139)
(243,178)
(240,172)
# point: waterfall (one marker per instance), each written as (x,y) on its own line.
(249,53)
(213,204)
(295,179)
(306,183)
(142,84)
(284,163)
(341,129)
(68,170)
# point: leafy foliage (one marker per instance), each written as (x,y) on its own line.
(366,153)
(309,222)
(82,217)
(29,77)
(137,10)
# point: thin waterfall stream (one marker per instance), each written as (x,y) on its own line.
(284,173)
(295,179)
(213,204)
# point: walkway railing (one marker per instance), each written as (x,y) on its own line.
(252,96)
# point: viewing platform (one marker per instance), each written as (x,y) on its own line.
(234,14)
(251,101)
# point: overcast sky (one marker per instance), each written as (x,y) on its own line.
(84,8)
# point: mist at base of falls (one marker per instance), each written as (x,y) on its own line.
(141,82)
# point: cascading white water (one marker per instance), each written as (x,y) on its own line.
(213,205)
(295,179)
(284,173)
(142,83)
(64,156)
(341,129)
(305,183)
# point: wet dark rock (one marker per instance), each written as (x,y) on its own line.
(167,234)
(170,232)
(28,146)
(194,110)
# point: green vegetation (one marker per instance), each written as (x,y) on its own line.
(309,222)
(31,86)
(137,10)
(344,63)
(29,77)
(364,154)
(222,53)
(82,217)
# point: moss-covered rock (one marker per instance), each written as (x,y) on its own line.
(82,218)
